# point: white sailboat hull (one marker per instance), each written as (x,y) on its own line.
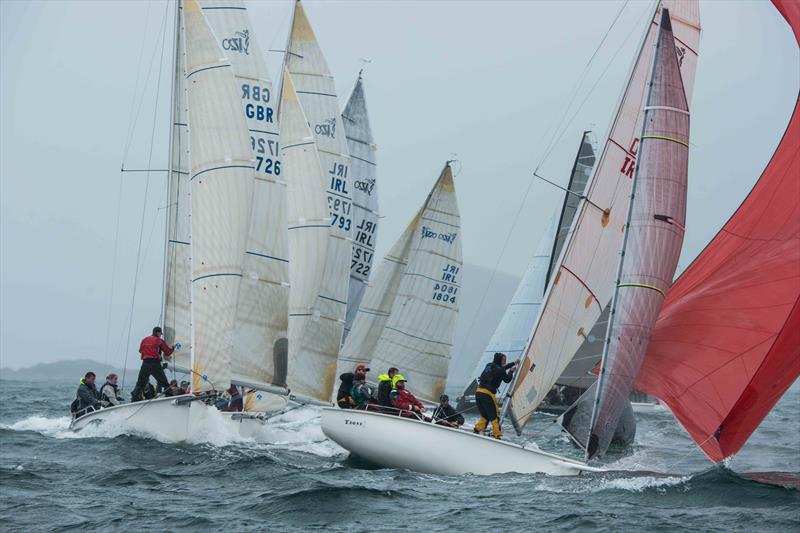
(169,420)
(162,418)
(397,442)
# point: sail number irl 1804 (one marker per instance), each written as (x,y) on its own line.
(446,289)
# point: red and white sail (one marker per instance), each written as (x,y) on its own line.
(584,274)
(653,239)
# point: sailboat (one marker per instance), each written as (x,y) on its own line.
(363,168)
(408,315)
(407,319)
(583,277)
(225,262)
(581,285)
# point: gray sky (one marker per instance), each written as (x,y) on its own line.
(484,80)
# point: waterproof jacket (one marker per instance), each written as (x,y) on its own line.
(405,400)
(87,396)
(446,412)
(494,373)
(109,394)
(361,392)
(384,390)
(346,387)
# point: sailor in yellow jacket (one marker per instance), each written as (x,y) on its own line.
(495,373)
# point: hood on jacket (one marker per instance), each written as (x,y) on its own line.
(498,357)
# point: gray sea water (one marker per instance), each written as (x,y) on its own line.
(293,479)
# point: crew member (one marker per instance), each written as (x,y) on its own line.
(495,373)
(109,392)
(405,401)
(385,387)
(88,397)
(361,393)
(445,415)
(344,398)
(151,349)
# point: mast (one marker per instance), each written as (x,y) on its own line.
(174,103)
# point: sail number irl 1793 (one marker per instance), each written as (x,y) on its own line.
(339,203)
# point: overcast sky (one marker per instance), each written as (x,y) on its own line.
(484,80)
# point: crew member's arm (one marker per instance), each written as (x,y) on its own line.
(166,349)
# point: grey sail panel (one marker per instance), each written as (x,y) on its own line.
(581,170)
(653,238)
(363,171)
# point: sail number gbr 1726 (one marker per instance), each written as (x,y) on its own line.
(446,289)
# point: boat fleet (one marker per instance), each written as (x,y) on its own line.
(271,281)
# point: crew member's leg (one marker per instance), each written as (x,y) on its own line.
(157,371)
(495,418)
(141,381)
(483,403)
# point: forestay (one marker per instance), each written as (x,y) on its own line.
(310,235)
(259,338)
(319,340)
(222,185)
(418,334)
(653,239)
(361,147)
(583,279)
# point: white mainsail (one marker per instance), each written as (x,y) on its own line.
(583,280)
(177,274)
(361,147)
(310,239)
(314,342)
(653,239)
(222,185)
(259,336)
(418,334)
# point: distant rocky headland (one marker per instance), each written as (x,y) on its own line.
(61,370)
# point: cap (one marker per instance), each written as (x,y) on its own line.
(362,368)
(444,398)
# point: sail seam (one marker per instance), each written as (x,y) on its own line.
(665,139)
(416,337)
(642,285)
(189,75)
(585,286)
(236,274)
(268,256)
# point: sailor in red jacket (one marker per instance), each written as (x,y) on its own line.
(403,399)
(151,349)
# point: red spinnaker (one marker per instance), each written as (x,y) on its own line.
(727,342)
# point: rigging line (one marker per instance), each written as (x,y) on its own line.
(146,190)
(591,90)
(113,273)
(577,86)
(471,328)
(136,84)
(136,115)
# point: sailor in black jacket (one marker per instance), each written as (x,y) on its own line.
(493,375)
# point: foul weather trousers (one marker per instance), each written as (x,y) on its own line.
(489,410)
(150,367)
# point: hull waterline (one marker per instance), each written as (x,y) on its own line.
(397,442)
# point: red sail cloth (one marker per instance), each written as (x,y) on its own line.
(727,342)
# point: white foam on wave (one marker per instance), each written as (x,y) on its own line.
(298,430)
(50,427)
(640,484)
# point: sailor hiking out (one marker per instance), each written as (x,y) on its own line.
(493,375)
(109,392)
(87,398)
(151,349)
